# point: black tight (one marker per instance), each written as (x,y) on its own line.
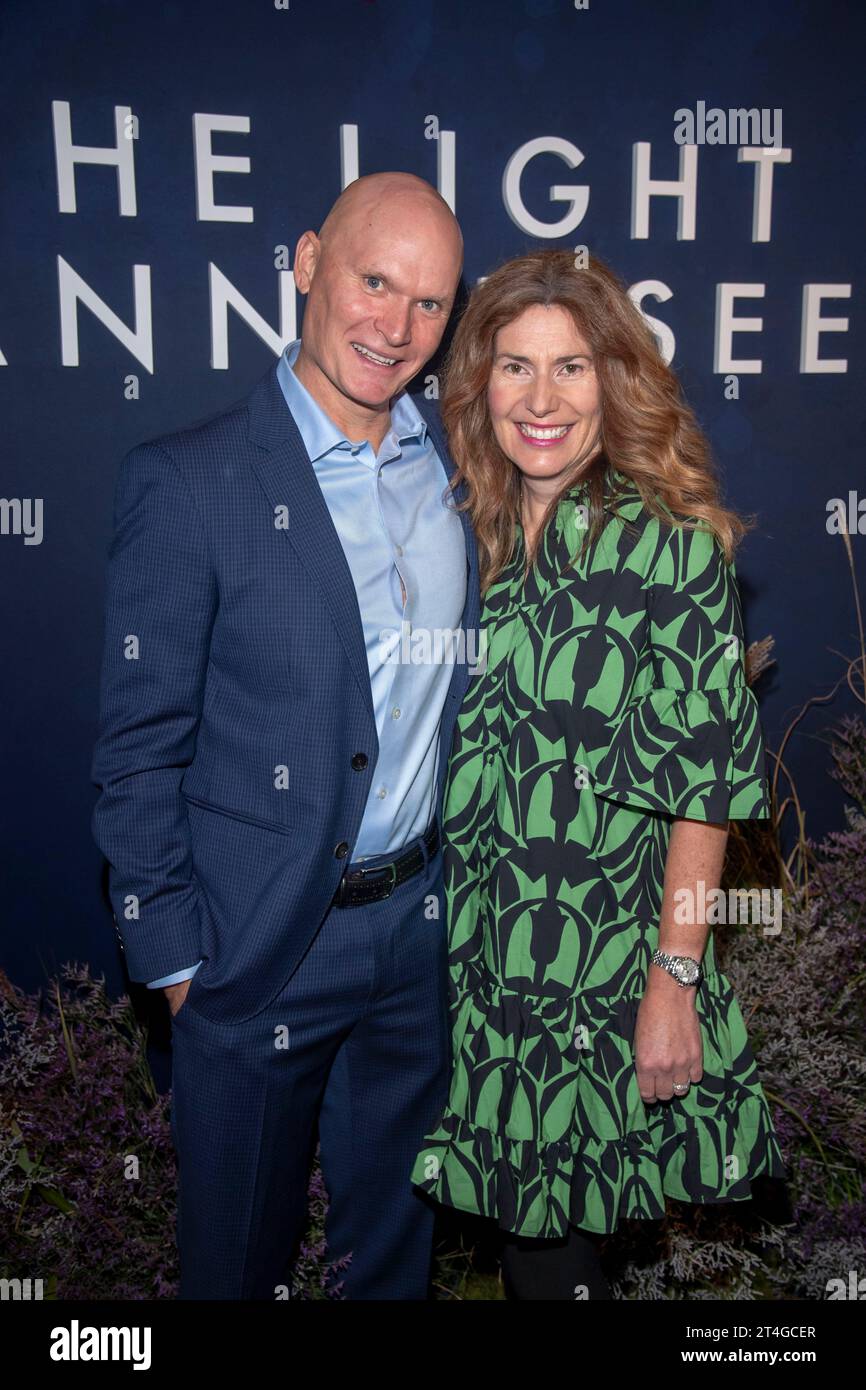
(553,1269)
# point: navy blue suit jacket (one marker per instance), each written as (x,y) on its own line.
(233,649)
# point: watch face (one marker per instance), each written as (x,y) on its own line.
(688,971)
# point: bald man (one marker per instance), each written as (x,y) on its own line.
(271,759)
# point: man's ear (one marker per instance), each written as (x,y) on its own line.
(307,254)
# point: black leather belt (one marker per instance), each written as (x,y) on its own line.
(360,885)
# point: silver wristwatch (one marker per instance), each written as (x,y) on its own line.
(685,970)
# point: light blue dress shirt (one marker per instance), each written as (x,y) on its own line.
(393,524)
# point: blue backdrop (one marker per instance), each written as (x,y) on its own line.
(297,97)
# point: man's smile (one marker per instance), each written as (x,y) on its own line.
(375,357)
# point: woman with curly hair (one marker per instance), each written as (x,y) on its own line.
(601,1061)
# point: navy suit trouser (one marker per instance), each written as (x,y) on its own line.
(358,1038)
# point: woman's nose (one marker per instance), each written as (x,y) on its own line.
(541,398)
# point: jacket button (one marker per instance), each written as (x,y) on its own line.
(341,850)
(359,761)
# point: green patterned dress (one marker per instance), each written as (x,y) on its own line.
(613,700)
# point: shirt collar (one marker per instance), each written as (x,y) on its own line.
(318,431)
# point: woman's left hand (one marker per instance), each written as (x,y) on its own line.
(667,1040)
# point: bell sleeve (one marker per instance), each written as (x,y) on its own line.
(689,744)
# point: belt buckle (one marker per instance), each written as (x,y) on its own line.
(393,867)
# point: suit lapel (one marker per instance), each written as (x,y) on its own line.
(288,479)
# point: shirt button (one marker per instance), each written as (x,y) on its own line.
(341,850)
(395,713)
(398,549)
(382,792)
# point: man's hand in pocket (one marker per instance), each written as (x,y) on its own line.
(176,994)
